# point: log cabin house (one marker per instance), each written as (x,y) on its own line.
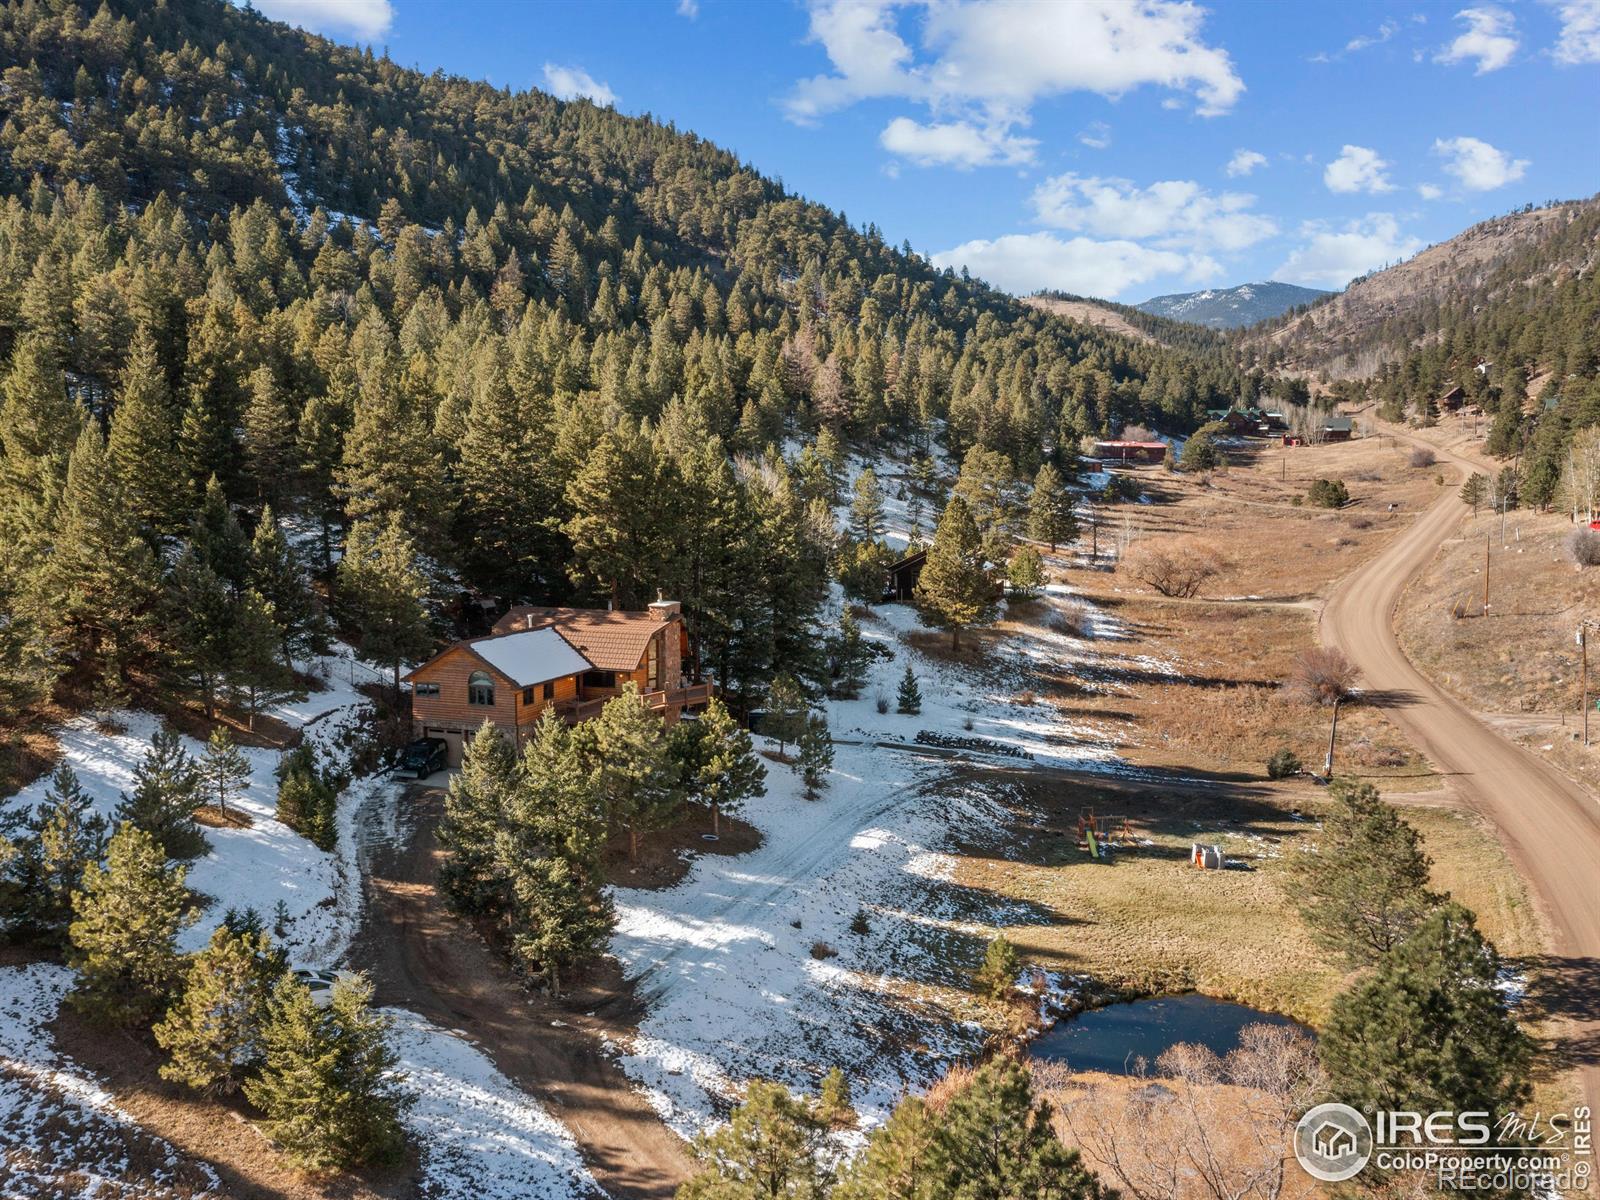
(571,660)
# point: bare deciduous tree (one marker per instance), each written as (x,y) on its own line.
(1197,1127)
(1173,566)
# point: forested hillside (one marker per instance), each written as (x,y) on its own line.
(267,302)
(1509,311)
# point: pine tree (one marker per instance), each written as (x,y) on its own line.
(126,919)
(997,977)
(475,807)
(786,712)
(142,447)
(614,536)
(217,539)
(256,671)
(39,426)
(632,772)
(901,1159)
(307,797)
(62,838)
(269,428)
(391,468)
(816,755)
(909,697)
(768,1149)
(866,508)
(503,480)
(382,589)
(1474,491)
(212,1035)
(199,624)
(849,657)
(834,1105)
(995,1142)
(954,589)
(100,576)
(1050,510)
(331,1097)
(166,793)
(1429,1027)
(278,574)
(548,852)
(1025,572)
(728,772)
(1366,888)
(224,768)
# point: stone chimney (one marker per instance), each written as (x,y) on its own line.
(664,609)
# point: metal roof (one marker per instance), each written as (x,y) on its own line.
(530,657)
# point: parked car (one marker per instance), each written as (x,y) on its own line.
(320,983)
(423,757)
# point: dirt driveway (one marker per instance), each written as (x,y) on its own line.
(424,959)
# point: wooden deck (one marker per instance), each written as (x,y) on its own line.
(669,702)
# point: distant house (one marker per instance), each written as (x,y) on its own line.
(1453,399)
(1130,452)
(569,660)
(1240,424)
(1274,420)
(1338,429)
(902,577)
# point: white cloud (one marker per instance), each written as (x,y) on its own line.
(568,83)
(1429,191)
(1357,169)
(1177,213)
(1490,39)
(984,63)
(955,144)
(1579,40)
(1385,31)
(1021,263)
(1245,161)
(1479,166)
(1096,135)
(367,19)
(1331,257)
(689,8)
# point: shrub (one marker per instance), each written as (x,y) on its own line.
(1584,545)
(1283,763)
(307,797)
(996,977)
(859,924)
(1120,487)
(1322,676)
(821,951)
(1071,618)
(1173,566)
(1421,456)
(1328,493)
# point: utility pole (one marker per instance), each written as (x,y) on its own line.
(1333,732)
(1487,540)
(1583,676)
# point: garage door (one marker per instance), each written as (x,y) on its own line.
(452,740)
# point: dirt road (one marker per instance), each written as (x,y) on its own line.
(423,958)
(1550,824)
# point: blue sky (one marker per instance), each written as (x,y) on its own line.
(1119,148)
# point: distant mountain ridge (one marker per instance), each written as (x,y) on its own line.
(1232,308)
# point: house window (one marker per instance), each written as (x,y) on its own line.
(480,689)
(600,679)
(550,690)
(425,690)
(527,697)
(653,672)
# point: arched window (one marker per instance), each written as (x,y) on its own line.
(480,688)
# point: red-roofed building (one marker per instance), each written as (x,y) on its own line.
(1131,452)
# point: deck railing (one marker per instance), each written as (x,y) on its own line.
(573,711)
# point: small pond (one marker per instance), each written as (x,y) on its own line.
(1113,1038)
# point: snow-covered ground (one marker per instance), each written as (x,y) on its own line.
(482,1138)
(58,1124)
(725,962)
(267,863)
